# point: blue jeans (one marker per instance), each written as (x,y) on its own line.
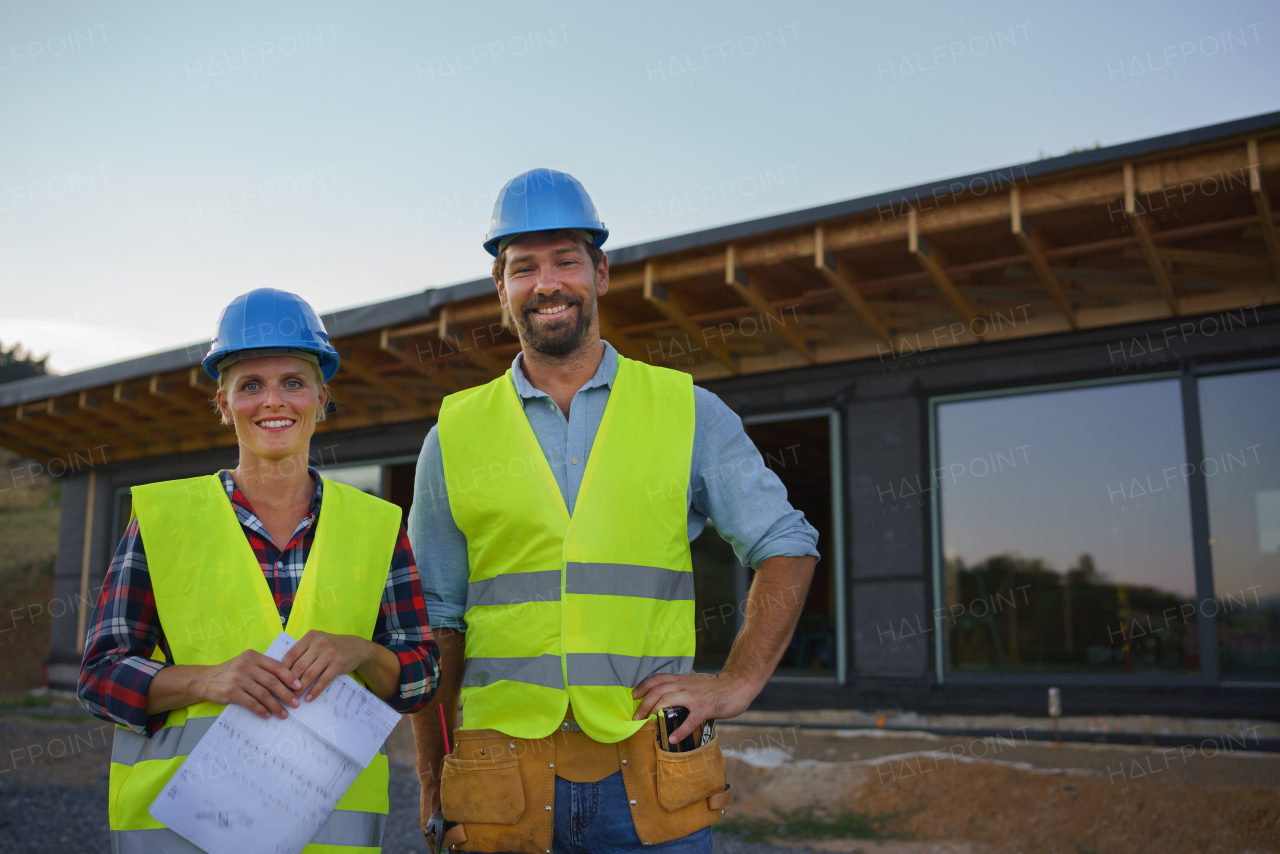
(595,818)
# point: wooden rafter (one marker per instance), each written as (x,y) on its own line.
(657,295)
(358,365)
(1138,223)
(119,418)
(345,407)
(22,441)
(1263,205)
(1031,244)
(92,421)
(149,406)
(740,281)
(37,413)
(927,256)
(394,346)
(871,287)
(620,342)
(452,332)
(838,276)
(181,396)
(1226,260)
(392,333)
(200,381)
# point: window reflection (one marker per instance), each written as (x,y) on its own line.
(1240,418)
(1065,532)
(364,478)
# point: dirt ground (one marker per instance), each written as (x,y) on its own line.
(974,796)
(1003,795)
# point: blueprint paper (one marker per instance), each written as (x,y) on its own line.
(253,785)
(346,714)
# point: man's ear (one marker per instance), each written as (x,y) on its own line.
(502,293)
(602,276)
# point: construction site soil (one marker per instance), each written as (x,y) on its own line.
(947,795)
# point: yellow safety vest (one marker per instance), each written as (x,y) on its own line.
(577,608)
(214,603)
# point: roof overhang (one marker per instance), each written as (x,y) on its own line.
(1175,225)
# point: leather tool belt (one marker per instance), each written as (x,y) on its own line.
(501,790)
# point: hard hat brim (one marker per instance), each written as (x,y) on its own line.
(493,238)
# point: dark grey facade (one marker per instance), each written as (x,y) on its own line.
(890,573)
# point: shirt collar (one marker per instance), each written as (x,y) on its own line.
(238,499)
(604,374)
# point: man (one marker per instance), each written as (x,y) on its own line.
(552,517)
(212,568)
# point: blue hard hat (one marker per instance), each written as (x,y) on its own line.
(274,321)
(542,200)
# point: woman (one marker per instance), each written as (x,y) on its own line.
(212,568)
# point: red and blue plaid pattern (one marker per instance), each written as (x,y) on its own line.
(117,670)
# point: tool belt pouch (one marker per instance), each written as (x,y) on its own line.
(478,791)
(674,794)
(500,789)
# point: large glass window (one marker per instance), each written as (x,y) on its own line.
(1240,418)
(1065,532)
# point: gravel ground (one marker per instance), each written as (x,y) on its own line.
(46,819)
(58,805)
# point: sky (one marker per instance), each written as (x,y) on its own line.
(157,159)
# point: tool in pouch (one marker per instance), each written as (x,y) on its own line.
(670,720)
(440,832)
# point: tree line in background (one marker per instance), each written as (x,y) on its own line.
(1018,613)
(18,363)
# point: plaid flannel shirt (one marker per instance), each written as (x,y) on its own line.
(117,669)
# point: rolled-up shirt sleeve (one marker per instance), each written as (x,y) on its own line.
(401,628)
(731,485)
(438,543)
(117,668)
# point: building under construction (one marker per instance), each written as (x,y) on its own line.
(1034,414)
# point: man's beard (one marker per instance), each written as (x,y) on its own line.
(561,337)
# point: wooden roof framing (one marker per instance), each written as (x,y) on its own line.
(1187,229)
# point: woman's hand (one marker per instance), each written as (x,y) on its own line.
(320,658)
(262,685)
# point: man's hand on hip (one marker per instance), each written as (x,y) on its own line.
(706,697)
(773,607)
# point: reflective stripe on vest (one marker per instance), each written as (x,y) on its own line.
(574,608)
(342,827)
(214,603)
(129,748)
(602,579)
